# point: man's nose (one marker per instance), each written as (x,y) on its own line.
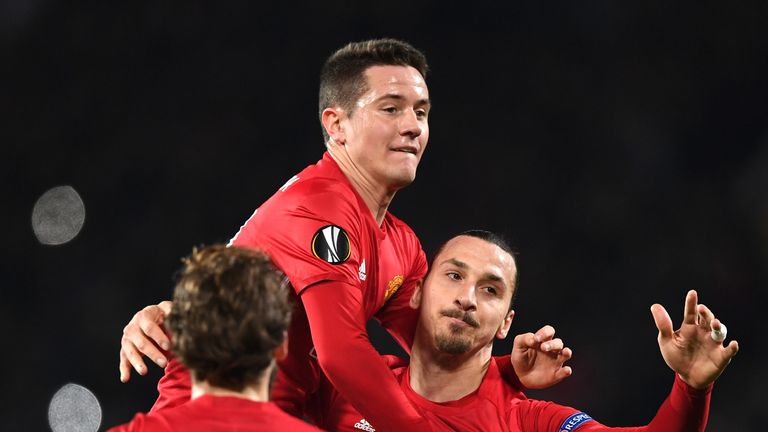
(409,124)
(466,298)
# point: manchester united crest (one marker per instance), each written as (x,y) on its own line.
(393,286)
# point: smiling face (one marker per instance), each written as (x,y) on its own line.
(386,133)
(465,298)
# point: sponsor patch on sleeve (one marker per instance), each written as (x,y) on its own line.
(331,244)
(574,421)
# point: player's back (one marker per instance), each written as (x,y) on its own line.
(217,414)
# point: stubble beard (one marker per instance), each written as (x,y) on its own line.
(454,342)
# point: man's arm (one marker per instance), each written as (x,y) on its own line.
(685,410)
(175,386)
(691,352)
(349,360)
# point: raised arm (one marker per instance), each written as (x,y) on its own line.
(695,352)
(691,351)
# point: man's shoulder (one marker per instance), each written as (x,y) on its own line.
(398,225)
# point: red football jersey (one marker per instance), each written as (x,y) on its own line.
(498,406)
(217,414)
(316,228)
(319,231)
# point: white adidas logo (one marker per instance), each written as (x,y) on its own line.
(361,271)
(364,425)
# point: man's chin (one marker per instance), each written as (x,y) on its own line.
(452,345)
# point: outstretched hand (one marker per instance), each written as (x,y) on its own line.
(691,351)
(144,335)
(538,358)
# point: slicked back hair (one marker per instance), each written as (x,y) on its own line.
(230,311)
(489,237)
(343,80)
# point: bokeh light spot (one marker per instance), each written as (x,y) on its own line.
(58,215)
(74,409)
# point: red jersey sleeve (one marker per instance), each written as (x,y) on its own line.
(507,371)
(350,362)
(175,387)
(685,410)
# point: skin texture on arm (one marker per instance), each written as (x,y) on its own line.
(351,363)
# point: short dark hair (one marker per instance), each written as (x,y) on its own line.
(489,237)
(342,78)
(230,311)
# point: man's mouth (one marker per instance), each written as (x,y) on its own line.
(410,150)
(464,317)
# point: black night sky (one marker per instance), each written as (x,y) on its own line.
(621,146)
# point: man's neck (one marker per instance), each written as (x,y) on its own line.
(257,392)
(441,377)
(376,196)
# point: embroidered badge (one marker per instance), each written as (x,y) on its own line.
(393,286)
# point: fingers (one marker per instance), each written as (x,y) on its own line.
(525,341)
(152,330)
(129,353)
(566,354)
(690,314)
(136,343)
(731,350)
(165,306)
(140,336)
(545,333)
(563,373)
(125,368)
(553,345)
(705,317)
(662,320)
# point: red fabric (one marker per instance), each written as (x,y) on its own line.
(498,406)
(217,414)
(336,298)
(175,387)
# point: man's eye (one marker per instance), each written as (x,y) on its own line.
(454,275)
(490,290)
(421,113)
(390,110)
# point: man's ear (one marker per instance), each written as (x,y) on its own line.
(331,119)
(501,333)
(281,351)
(415,302)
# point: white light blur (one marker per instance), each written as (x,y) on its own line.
(74,409)
(58,216)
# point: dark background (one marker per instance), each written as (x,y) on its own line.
(622,146)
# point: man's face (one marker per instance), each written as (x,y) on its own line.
(387,132)
(465,297)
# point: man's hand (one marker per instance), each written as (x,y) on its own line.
(538,359)
(690,351)
(144,335)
